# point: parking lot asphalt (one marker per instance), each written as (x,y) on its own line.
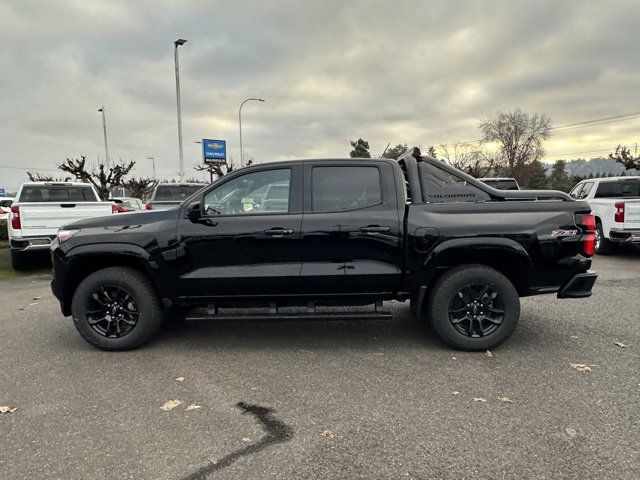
(298,400)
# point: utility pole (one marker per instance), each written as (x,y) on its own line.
(176,44)
(104,129)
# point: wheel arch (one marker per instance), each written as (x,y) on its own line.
(85,261)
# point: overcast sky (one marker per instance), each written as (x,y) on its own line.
(420,72)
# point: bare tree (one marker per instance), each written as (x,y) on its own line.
(219,169)
(140,187)
(472,159)
(623,155)
(38,177)
(103,181)
(519,137)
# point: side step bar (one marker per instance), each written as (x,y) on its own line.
(311,314)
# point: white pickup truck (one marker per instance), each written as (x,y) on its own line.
(41,208)
(615,202)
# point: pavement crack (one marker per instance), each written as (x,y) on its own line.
(275,432)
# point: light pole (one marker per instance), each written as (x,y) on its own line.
(240,123)
(153,162)
(104,129)
(176,44)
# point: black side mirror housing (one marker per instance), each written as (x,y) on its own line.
(194,212)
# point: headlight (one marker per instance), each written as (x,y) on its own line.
(64,235)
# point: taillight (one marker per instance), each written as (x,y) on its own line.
(619,215)
(15,217)
(114,208)
(148,206)
(588,238)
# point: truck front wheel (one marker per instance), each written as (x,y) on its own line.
(473,307)
(116,308)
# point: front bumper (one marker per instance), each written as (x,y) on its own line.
(624,236)
(579,286)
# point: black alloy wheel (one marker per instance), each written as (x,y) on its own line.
(112,311)
(476,310)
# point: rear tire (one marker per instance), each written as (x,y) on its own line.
(130,299)
(473,308)
(19,260)
(603,246)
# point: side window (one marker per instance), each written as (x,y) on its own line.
(439,186)
(575,192)
(336,189)
(253,193)
(586,188)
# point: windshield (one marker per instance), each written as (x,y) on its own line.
(618,189)
(57,193)
(175,192)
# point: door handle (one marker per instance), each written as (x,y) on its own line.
(375,229)
(279,232)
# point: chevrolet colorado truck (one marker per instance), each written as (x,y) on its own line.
(615,203)
(345,232)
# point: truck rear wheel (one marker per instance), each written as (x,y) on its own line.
(18,260)
(473,307)
(116,308)
(603,246)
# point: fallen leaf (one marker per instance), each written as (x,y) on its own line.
(620,344)
(179,379)
(479,399)
(5,409)
(575,337)
(581,367)
(37,298)
(455,393)
(194,406)
(378,353)
(32,304)
(505,399)
(20,308)
(571,432)
(488,354)
(453,358)
(329,433)
(170,405)
(246,439)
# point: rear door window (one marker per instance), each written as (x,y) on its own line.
(57,193)
(337,189)
(176,193)
(618,189)
(586,188)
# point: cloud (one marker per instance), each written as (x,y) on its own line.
(406,71)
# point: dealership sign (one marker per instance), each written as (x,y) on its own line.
(214,151)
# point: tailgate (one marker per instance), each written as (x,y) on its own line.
(631,214)
(44,218)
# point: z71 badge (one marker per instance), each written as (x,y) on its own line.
(564,233)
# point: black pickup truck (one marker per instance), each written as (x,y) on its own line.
(311,233)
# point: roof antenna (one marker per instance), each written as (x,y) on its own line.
(387,148)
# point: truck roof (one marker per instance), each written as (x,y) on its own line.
(61,184)
(613,179)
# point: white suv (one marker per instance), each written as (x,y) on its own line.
(615,202)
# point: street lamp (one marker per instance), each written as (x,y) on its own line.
(104,129)
(153,160)
(240,123)
(176,44)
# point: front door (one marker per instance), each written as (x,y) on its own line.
(246,243)
(351,230)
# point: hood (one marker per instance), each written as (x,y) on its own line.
(125,219)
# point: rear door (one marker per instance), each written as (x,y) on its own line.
(351,229)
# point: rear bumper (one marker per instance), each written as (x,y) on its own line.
(623,236)
(23,244)
(579,286)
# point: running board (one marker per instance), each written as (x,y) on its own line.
(311,314)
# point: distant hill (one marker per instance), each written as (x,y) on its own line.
(594,166)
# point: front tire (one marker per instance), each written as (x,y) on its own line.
(116,308)
(473,308)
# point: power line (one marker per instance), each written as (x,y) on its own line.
(570,126)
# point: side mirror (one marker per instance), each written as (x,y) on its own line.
(193,212)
